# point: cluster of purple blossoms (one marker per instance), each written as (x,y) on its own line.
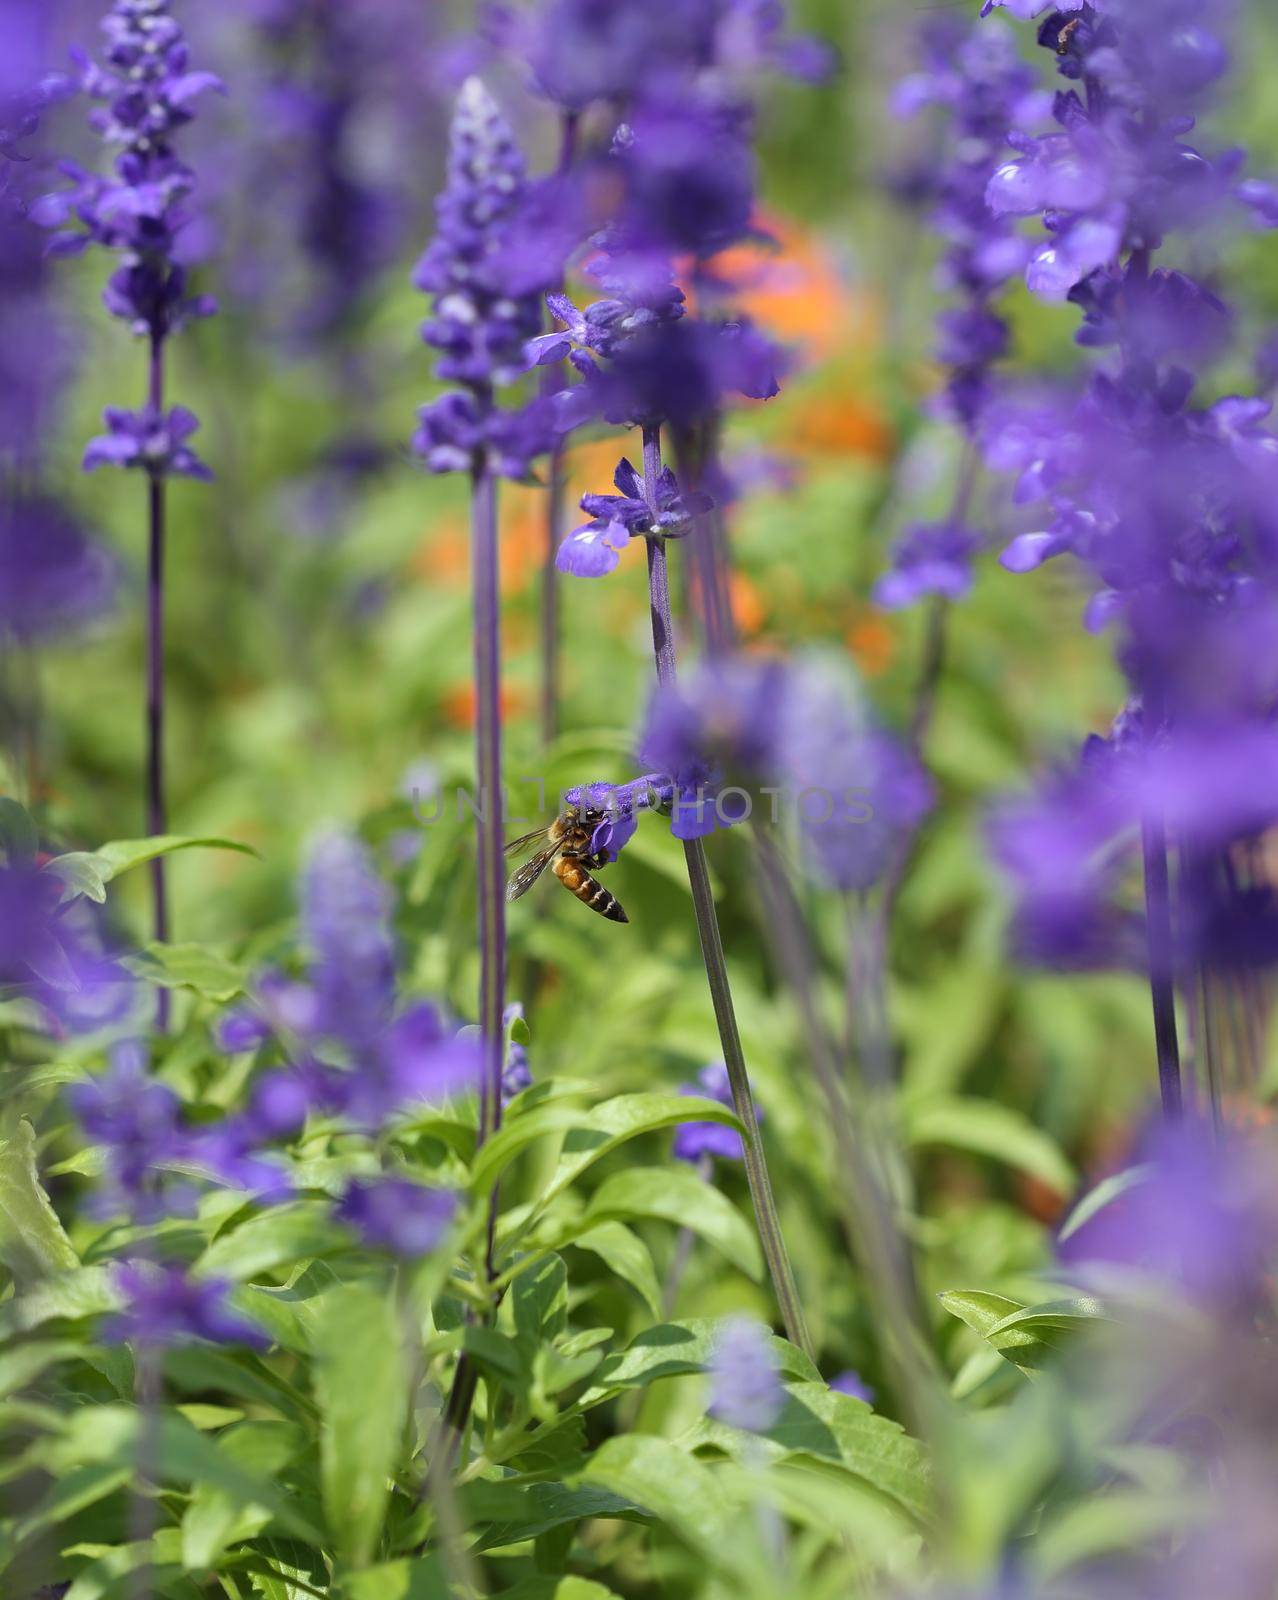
(740,733)
(976,77)
(148,89)
(594,549)
(53,951)
(487,274)
(337,100)
(580,52)
(346,1050)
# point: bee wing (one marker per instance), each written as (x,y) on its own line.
(524,840)
(523,878)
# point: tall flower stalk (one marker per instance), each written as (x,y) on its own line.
(147,88)
(754,1161)
(481,326)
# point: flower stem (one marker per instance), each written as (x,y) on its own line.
(156,807)
(492,903)
(1162,985)
(863,1153)
(765,1208)
(492,900)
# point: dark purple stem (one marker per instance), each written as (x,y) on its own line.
(492,902)
(485,575)
(156,809)
(765,1206)
(1162,984)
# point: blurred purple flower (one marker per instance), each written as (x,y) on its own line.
(1199,1218)
(136,1121)
(166,1305)
(53,577)
(745,1378)
(852,1383)
(931,558)
(693,1140)
(397,1215)
(360,1053)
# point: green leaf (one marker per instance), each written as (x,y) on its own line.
(361,1384)
(625,1254)
(540,1305)
(214,1518)
(819,1422)
(662,1478)
(520,1033)
(273,1239)
(424,1579)
(589,1134)
(985,1128)
(25,1362)
(189,966)
(87,872)
(583,1589)
(675,1194)
(109,1438)
(82,1292)
(515,1513)
(1025,1335)
(675,1348)
(33,1243)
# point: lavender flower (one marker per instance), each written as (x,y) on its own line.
(1197,1218)
(853,1384)
(137,1122)
(139,212)
(362,1054)
(479,327)
(516,1075)
(694,1140)
(398,1216)
(931,558)
(801,730)
(148,90)
(53,577)
(978,79)
(745,1380)
(150,439)
(166,1305)
(593,549)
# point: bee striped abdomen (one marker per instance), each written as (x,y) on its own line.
(588,890)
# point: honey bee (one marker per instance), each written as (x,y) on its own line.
(566,851)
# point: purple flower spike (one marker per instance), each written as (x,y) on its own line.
(745,1381)
(148,92)
(481,326)
(403,1218)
